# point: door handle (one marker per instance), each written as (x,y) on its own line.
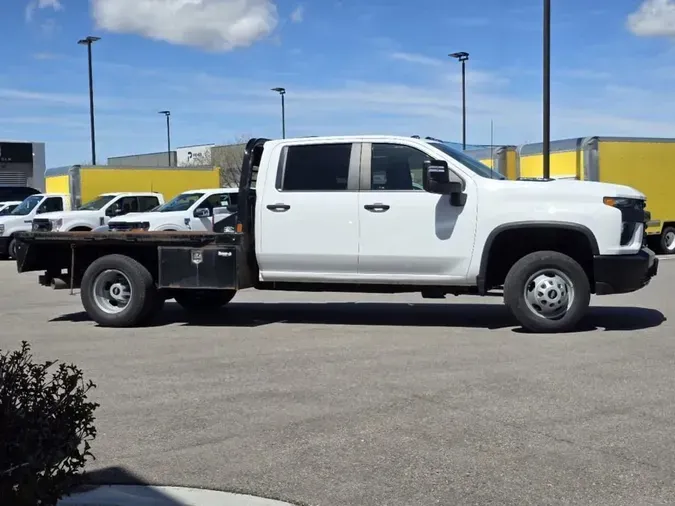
(376,208)
(278,208)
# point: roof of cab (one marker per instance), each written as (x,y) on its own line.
(212,190)
(141,194)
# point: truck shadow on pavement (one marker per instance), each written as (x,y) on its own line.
(485,316)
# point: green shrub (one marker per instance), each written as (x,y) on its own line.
(46,427)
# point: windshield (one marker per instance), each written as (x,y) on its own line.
(7,210)
(97,204)
(471,163)
(182,202)
(27,205)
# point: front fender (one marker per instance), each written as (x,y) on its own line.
(169,226)
(78,224)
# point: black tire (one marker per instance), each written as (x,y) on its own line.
(11,249)
(667,236)
(142,304)
(202,301)
(518,277)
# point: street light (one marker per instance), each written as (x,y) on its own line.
(88,42)
(546,144)
(282,92)
(168,134)
(462,57)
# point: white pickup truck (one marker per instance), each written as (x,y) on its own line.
(7,207)
(21,218)
(343,214)
(190,211)
(98,212)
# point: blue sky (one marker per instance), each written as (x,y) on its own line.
(349,67)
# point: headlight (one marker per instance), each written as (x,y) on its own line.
(56,224)
(633,216)
(625,203)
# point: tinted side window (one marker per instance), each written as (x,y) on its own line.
(221,200)
(128,204)
(396,167)
(146,203)
(318,167)
(51,205)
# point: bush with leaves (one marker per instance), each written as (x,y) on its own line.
(46,427)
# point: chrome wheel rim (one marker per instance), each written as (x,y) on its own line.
(549,294)
(670,241)
(112,291)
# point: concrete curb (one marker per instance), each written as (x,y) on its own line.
(147,495)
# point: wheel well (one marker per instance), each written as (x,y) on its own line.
(511,245)
(80,229)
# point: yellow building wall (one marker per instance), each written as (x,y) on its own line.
(563,163)
(58,184)
(168,182)
(646,166)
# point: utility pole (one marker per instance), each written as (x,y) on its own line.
(546,145)
(463,57)
(88,41)
(168,134)
(282,92)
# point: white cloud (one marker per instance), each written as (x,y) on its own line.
(216,25)
(41,4)
(654,18)
(298,14)
(418,59)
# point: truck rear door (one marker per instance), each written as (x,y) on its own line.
(308,214)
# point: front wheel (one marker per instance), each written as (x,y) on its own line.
(547,292)
(200,301)
(11,249)
(118,291)
(668,241)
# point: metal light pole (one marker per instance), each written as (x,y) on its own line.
(463,58)
(88,41)
(282,92)
(546,145)
(168,134)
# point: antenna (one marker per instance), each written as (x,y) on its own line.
(492,146)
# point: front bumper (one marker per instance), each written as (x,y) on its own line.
(624,273)
(4,246)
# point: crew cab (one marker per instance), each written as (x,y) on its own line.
(190,211)
(98,212)
(7,207)
(343,214)
(21,218)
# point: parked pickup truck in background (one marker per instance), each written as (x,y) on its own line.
(21,218)
(190,211)
(98,212)
(342,214)
(7,207)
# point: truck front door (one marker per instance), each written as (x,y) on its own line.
(407,234)
(308,220)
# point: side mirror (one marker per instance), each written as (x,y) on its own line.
(436,178)
(202,212)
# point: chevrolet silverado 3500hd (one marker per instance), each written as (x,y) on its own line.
(343,214)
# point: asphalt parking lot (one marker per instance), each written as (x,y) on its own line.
(376,400)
